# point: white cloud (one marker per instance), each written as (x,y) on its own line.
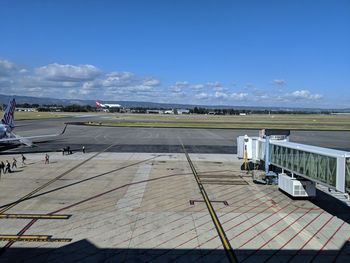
(182,84)
(126,85)
(279,82)
(239,96)
(304,95)
(221,95)
(179,87)
(75,81)
(87,88)
(198,86)
(118,79)
(151,82)
(202,95)
(5,82)
(89,82)
(139,88)
(216,86)
(7,68)
(37,89)
(59,72)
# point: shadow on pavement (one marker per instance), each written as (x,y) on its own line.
(85,251)
(332,205)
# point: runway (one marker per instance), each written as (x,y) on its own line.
(150,140)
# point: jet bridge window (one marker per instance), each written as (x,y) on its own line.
(315,166)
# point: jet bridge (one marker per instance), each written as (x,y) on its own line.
(322,165)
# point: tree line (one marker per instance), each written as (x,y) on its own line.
(201,110)
(194,110)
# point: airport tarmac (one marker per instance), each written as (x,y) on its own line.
(164,140)
(142,207)
(124,201)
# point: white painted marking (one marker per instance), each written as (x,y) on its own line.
(134,195)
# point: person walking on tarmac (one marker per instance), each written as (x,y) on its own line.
(14,163)
(8,167)
(47,159)
(2,166)
(23,160)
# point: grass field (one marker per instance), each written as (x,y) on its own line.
(257,121)
(287,121)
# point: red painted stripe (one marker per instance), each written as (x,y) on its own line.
(214,228)
(286,243)
(9,244)
(325,244)
(272,214)
(307,242)
(272,224)
(238,223)
(253,207)
(242,222)
(245,229)
(284,229)
(206,223)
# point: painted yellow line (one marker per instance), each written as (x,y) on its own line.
(32,238)
(41,237)
(218,226)
(33,216)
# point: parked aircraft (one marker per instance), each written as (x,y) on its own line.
(7,126)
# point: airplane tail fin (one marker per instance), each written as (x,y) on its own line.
(8,118)
(98,104)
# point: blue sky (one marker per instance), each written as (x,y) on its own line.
(260,53)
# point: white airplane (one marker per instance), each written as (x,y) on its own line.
(7,125)
(106,105)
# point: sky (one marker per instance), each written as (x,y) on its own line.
(237,53)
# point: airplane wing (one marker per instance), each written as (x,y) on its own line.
(27,140)
(19,139)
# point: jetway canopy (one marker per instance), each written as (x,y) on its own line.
(323,165)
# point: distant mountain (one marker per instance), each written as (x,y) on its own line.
(4,99)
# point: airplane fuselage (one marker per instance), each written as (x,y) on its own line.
(4,130)
(111,105)
(107,105)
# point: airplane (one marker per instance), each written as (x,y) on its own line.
(7,126)
(99,105)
